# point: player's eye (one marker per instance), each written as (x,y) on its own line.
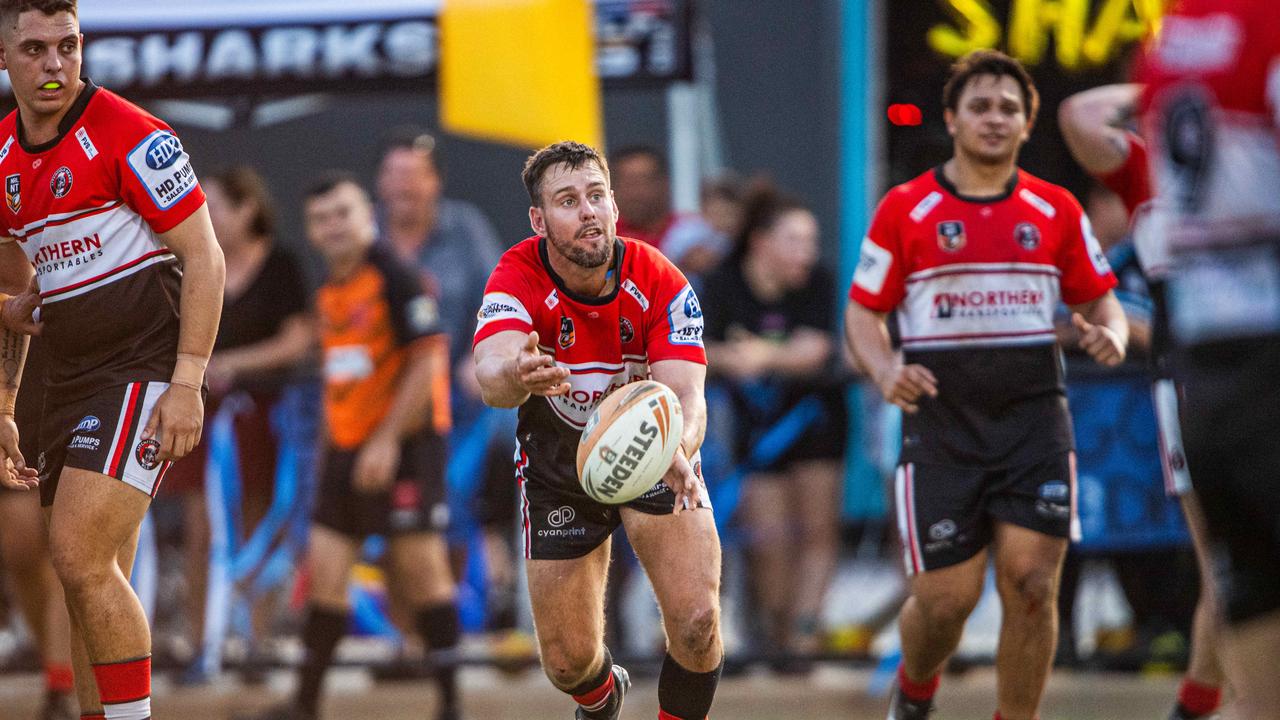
(567,202)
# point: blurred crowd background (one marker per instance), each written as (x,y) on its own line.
(748,141)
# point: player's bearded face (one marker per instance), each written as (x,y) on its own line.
(990,121)
(43,56)
(579,217)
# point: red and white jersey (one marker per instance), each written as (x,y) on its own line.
(1210,114)
(87,208)
(975,283)
(605,342)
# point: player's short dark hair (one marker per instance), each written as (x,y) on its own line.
(11,9)
(763,204)
(574,154)
(990,62)
(410,137)
(243,184)
(330,180)
(644,151)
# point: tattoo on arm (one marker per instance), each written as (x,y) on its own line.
(13,351)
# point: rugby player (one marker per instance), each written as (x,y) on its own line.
(568,316)
(974,256)
(1093,126)
(102,200)
(1210,113)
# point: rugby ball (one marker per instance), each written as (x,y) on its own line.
(629,442)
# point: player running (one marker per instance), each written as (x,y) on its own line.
(1092,124)
(101,198)
(569,315)
(1210,113)
(974,256)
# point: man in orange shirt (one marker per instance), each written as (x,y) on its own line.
(386,372)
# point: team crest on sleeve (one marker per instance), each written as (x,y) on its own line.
(60,183)
(13,192)
(684,315)
(1027,235)
(163,168)
(951,235)
(567,334)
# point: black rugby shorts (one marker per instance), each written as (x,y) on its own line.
(102,433)
(946,515)
(415,502)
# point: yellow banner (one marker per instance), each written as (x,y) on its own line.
(520,72)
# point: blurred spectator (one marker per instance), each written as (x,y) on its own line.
(454,247)
(770,313)
(642,188)
(266,332)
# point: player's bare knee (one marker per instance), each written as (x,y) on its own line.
(947,610)
(568,662)
(77,571)
(696,631)
(1034,589)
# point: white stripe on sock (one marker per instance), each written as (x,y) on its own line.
(136,710)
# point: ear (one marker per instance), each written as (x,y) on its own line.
(949,117)
(614,202)
(537,221)
(4,57)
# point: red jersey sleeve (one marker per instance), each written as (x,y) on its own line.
(674,321)
(879,281)
(156,177)
(1086,273)
(507,299)
(1131,180)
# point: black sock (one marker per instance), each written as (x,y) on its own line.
(685,694)
(321,632)
(590,686)
(438,626)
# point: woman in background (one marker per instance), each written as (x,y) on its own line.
(770,314)
(266,332)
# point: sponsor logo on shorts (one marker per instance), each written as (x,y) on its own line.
(561,516)
(1054,500)
(40,463)
(84,442)
(942,529)
(90,423)
(60,183)
(145,454)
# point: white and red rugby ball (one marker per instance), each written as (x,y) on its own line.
(629,442)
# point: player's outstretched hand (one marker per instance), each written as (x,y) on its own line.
(685,483)
(176,422)
(1101,342)
(538,373)
(14,473)
(18,313)
(903,385)
(376,463)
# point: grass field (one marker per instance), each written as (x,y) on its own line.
(829,694)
